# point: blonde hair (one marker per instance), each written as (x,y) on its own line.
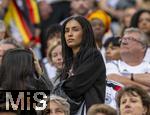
(52,46)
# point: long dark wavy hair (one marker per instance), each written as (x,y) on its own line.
(88,42)
(135,18)
(16,67)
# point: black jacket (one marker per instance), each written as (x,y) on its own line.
(39,83)
(89,80)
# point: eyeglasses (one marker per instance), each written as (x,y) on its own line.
(129,39)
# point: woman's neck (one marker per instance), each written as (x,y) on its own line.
(75,51)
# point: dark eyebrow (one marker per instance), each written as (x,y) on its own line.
(76,27)
(73,27)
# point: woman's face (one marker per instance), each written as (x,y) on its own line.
(56,56)
(98,28)
(55,109)
(73,34)
(128,13)
(131,105)
(144,22)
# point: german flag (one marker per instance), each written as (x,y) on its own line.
(25,25)
(33,11)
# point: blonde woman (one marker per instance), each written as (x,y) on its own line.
(54,55)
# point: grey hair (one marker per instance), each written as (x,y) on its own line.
(61,101)
(58,100)
(143,36)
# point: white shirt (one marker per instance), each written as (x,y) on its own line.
(147,55)
(51,70)
(121,68)
(112,89)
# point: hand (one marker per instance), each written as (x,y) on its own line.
(37,64)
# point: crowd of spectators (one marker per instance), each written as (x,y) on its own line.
(93,56)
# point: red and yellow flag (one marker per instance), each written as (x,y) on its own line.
(15,15)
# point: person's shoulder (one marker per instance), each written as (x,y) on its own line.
(92,51)
(93,55)
(114,62)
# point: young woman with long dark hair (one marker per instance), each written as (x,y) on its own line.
(84,73)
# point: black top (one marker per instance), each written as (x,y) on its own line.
(89,80)
(39,83)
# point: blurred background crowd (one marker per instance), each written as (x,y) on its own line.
(121,30)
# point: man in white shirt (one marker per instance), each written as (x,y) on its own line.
(147,55)
(132,69)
